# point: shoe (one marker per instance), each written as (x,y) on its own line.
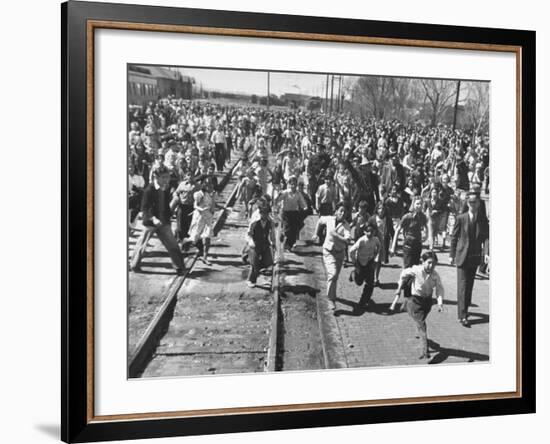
(206,261)
(331,305)
(377,283)
(180,271)
(315,239)
(465,323)
(250,284)
(424,356)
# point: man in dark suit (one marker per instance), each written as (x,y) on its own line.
(470,232)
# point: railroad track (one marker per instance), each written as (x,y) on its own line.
(141,352)
(160,339)
(210,322)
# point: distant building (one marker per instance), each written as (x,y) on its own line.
(149,83)
(295,100)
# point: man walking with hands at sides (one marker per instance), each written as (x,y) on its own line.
(470,232)
(155,207)
(423,280)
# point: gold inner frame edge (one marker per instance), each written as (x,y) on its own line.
(121,25)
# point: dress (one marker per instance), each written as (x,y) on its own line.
(201,224)
(385,234)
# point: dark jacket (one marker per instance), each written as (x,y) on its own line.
(260,234)
(461,247)
(156,203)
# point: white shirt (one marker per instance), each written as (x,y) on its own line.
(332,243)
(423,283)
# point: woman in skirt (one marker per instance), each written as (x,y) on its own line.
(384,224)
(201,227)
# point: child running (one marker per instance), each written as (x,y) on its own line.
(261,239)
(365,255)
(423,279)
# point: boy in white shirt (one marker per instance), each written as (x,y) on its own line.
(424,280)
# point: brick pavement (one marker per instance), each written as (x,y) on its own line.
(377,338)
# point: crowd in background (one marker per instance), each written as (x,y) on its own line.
(333,159)
(382,179)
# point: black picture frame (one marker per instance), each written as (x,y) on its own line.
(77,423)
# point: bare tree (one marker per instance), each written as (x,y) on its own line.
(401,96)
(373,93)
(476,106)
(439,94)
(383,97)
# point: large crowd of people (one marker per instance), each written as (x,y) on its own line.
(371,182)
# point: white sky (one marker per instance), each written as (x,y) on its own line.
(255,82)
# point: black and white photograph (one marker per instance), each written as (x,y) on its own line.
(300,221)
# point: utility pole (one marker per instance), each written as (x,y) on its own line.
(337,101)
(340,102)
(326,97)
(331,93)
(456,104)
(268,90)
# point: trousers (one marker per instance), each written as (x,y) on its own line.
(164,233)
(258,259)
(333,265)
(465,278)
(219,156)
(418,308)
(184,217)
(365,273)
(291,227)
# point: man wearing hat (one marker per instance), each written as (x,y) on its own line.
(470,233)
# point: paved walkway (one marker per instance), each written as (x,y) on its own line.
(378,338)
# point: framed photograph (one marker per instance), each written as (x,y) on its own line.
(275,221)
